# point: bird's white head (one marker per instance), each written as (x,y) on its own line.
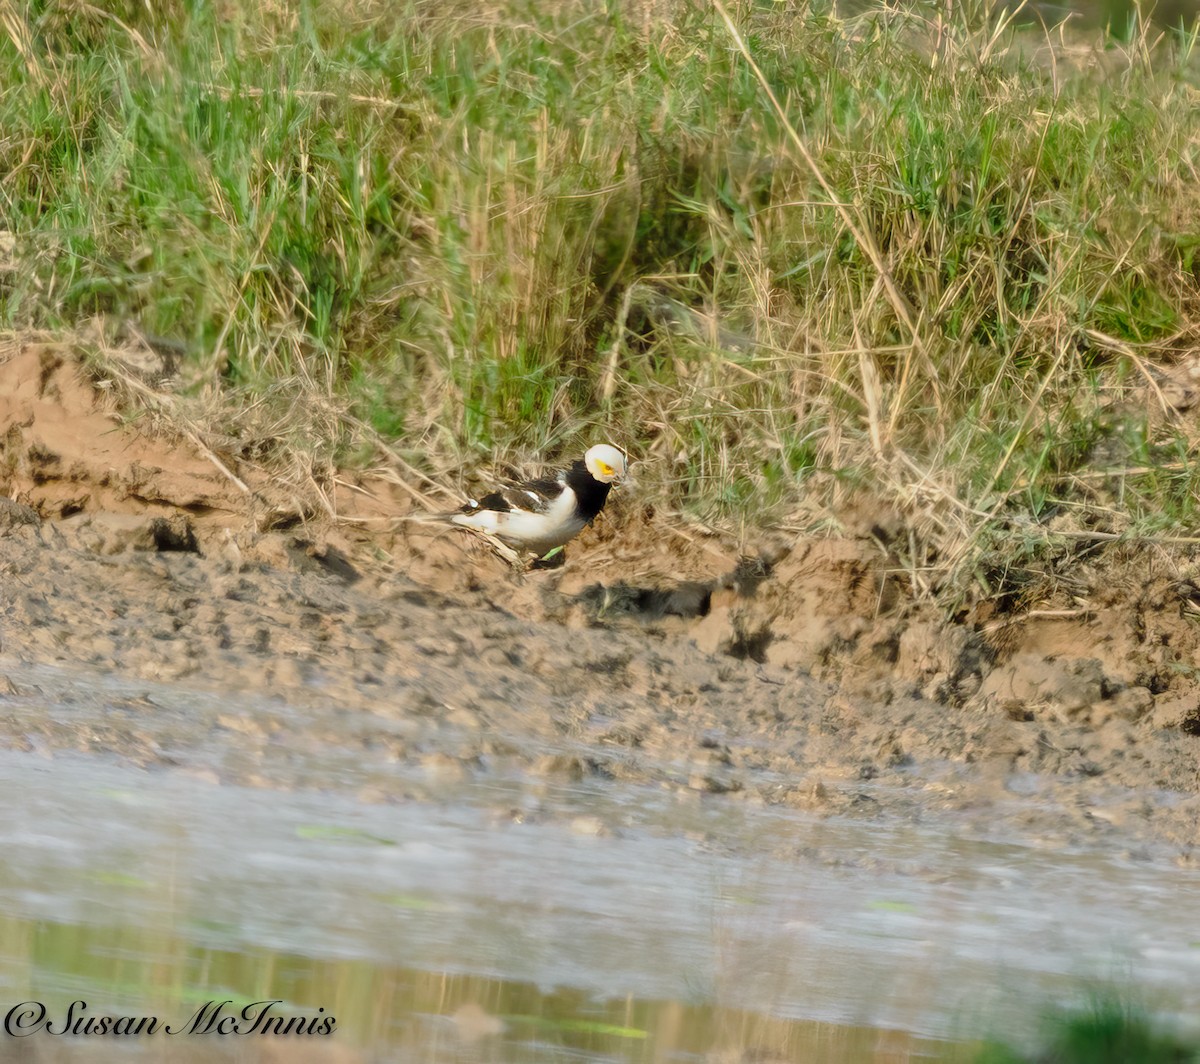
(605,463)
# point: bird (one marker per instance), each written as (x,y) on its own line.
(542,514)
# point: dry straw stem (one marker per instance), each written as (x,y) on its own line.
(169,407)
(850,214)
(421,243)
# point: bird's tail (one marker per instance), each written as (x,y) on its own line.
(427,519)
(430,521)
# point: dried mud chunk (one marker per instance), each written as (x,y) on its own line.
(173,534)
(444,768)
(741,634)
(560,766)
(713,783)
(706,756)
(999,740)
(1067,686)
(750,642)
(688,598)
(110,533)
(590,826)
(42,464)
(811,796)
(1130,704)
(714,633)
(1182,712)
(944,662)
(15,515)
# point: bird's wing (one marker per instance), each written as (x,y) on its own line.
(533,496)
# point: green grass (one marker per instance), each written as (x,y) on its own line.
(939,271)
(1109,1031)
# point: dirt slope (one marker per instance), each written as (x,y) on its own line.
(802,673)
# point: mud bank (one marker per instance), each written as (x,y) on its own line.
(797,670)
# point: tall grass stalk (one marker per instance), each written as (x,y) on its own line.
(782,254)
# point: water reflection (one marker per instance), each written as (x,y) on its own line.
(382,1012)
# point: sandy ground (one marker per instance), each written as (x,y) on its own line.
(796,671)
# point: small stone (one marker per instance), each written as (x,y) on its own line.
(1181,711)
(288,672)
(13,514)
(464,719)
(710,784)
(1132,704)
(712,755)
(561,766)
(444,768)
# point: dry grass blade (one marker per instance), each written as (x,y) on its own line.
(850,215)
(470,239)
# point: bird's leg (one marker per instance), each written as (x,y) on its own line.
(552,559)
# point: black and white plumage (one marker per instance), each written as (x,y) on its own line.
(542,514)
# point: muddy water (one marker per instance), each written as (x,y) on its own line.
(187,849)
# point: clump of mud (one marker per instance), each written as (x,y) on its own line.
(800,671)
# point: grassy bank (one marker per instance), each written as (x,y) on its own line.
(781,255)
(1108,1031)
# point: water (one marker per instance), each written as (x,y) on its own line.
(513,920)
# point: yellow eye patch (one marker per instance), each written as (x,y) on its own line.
(605,469)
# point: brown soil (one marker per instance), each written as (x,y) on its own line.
(803,673)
